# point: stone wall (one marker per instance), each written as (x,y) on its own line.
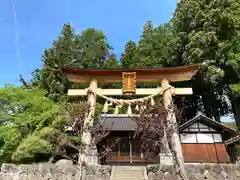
(62,170)
(196,172)
(65,170)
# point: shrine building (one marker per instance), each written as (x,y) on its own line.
(202,139)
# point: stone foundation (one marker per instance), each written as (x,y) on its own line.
(196,172)
(65,170)
(62,170)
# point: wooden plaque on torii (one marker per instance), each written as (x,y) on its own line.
(129,83)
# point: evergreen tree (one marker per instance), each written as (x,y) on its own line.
(61,54)
(92,49)
(144,57)
(206,32)
(127,57)
(155,47)
(111,62)
(86,50)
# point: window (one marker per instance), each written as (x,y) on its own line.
(205,138)
(202,126)
(194,127)
(198,127)
(200,138)
(217,138)
(212,130)
(186,130)
(188,138)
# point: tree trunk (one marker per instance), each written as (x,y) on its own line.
(236,111)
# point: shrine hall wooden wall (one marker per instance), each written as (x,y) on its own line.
(202,144)
(205,153)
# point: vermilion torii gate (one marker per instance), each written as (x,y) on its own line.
(129,78)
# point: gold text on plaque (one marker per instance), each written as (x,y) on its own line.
(129,82)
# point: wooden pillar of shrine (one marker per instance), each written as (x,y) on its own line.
(171,118)
(88,123)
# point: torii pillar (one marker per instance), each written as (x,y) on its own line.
(88,122)
(171,120)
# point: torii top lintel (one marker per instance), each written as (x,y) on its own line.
(172,74)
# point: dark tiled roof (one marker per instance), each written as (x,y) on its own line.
(117,123)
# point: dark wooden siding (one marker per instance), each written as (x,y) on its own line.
(205,153)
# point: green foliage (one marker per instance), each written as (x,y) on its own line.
(155,47)
(33,127)
(30,147)
(10,138)
(92,49)
(236,89)
(25,113)
(111,62)
(208,33)
(127,57)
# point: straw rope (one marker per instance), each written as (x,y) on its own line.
(129,101)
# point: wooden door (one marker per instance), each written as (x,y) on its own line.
(136,155)
(124,149)
(113,155)
(128,150)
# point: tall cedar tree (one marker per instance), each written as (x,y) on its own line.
(86,50)
(207,33)
(127,57)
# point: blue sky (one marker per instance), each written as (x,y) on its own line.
(39,22)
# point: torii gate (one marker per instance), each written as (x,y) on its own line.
(129,77)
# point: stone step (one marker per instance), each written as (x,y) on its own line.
(132,175)
(137,178)
(128,173)
(125,170)
(127,179)
(130,167)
